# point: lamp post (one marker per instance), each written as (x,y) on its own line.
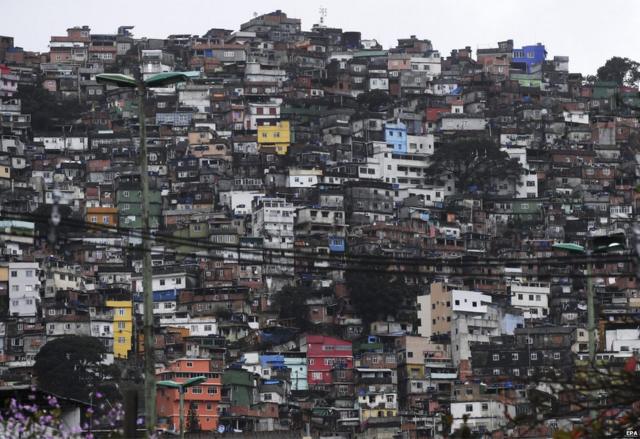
(124,81)
(182,387)
(600,244)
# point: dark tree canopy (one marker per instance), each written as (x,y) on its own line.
(374,100)
(473,163)
(622,71)
(193,422)
(292,304)
(70,366)
(377,294)
(47,112)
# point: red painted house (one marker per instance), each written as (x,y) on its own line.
(323,355)
(204,397)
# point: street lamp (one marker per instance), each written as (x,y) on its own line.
(600,244)
(182,387)
(159,80)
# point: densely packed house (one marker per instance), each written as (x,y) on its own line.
(347,240)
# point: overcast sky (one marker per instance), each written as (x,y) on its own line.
(587,31)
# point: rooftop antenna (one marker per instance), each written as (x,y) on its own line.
(323,15)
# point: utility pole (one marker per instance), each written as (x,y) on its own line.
(141,85)
(149,354)
(591,314)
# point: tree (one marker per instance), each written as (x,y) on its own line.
(375,100)
(71,366)
(377,294)
(292,304)
(622,71)
(473,163)
(47,112)
(193,422)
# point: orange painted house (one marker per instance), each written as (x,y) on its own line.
(205,396)
(104,216)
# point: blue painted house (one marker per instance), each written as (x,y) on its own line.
(530,55)
(336,244)
(296,362)
(395,135)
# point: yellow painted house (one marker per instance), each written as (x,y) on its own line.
(275,134)
(122,327)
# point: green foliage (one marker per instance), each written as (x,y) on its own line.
(70,366)
(473,162)
(377,294)
(292,304)
(47,112)
(375,100)
(193,423)
(622,71)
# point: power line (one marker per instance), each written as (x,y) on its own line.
(278,261)
(492,262)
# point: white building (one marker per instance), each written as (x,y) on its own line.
(24,289)
(197,326)
(482,415)
(528,185)
(240,202)
(623,340)
(303,177)
(472,324)
(195,96)
(63,143)
(420,144)
(261,111)
(532,298)
(162,281)
(273,220)
(430,63)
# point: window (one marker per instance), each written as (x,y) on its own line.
(316,376)
(212,390)
(496,371)
(196,390)
(556,355)
(516,372)
(121,340)
(29,273)
(122,325)
(189,364)
(267,396)
(534,356)
(14,274)
(468,408)
(161,282)
(485,406)
(120,311)
(496,357)
(311,361)
(514,356)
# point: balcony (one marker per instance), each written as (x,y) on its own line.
(443,375)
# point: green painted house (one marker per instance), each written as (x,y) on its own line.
(129,204)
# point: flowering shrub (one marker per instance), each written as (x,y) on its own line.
(30,421)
